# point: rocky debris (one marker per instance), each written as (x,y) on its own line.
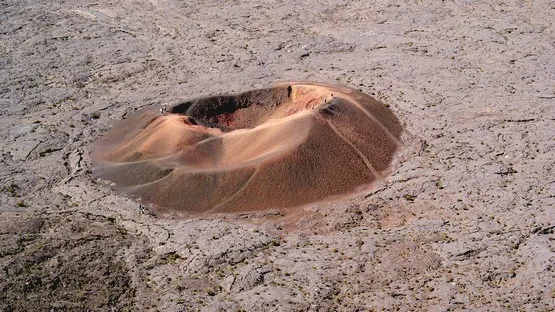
(68,263)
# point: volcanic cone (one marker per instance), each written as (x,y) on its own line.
(280,147)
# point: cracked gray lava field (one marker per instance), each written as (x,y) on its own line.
(466,222)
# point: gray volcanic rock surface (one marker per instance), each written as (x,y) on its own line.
(466,222)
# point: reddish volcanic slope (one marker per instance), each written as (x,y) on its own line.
(285,146)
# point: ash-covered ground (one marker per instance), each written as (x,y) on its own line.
(466,223)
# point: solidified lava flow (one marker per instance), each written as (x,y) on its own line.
(275,148)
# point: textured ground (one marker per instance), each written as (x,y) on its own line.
(467,222)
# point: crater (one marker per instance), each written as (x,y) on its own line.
(281,147)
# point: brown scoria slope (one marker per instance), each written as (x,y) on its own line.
(280,147)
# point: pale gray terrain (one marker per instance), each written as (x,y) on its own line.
(466,222)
